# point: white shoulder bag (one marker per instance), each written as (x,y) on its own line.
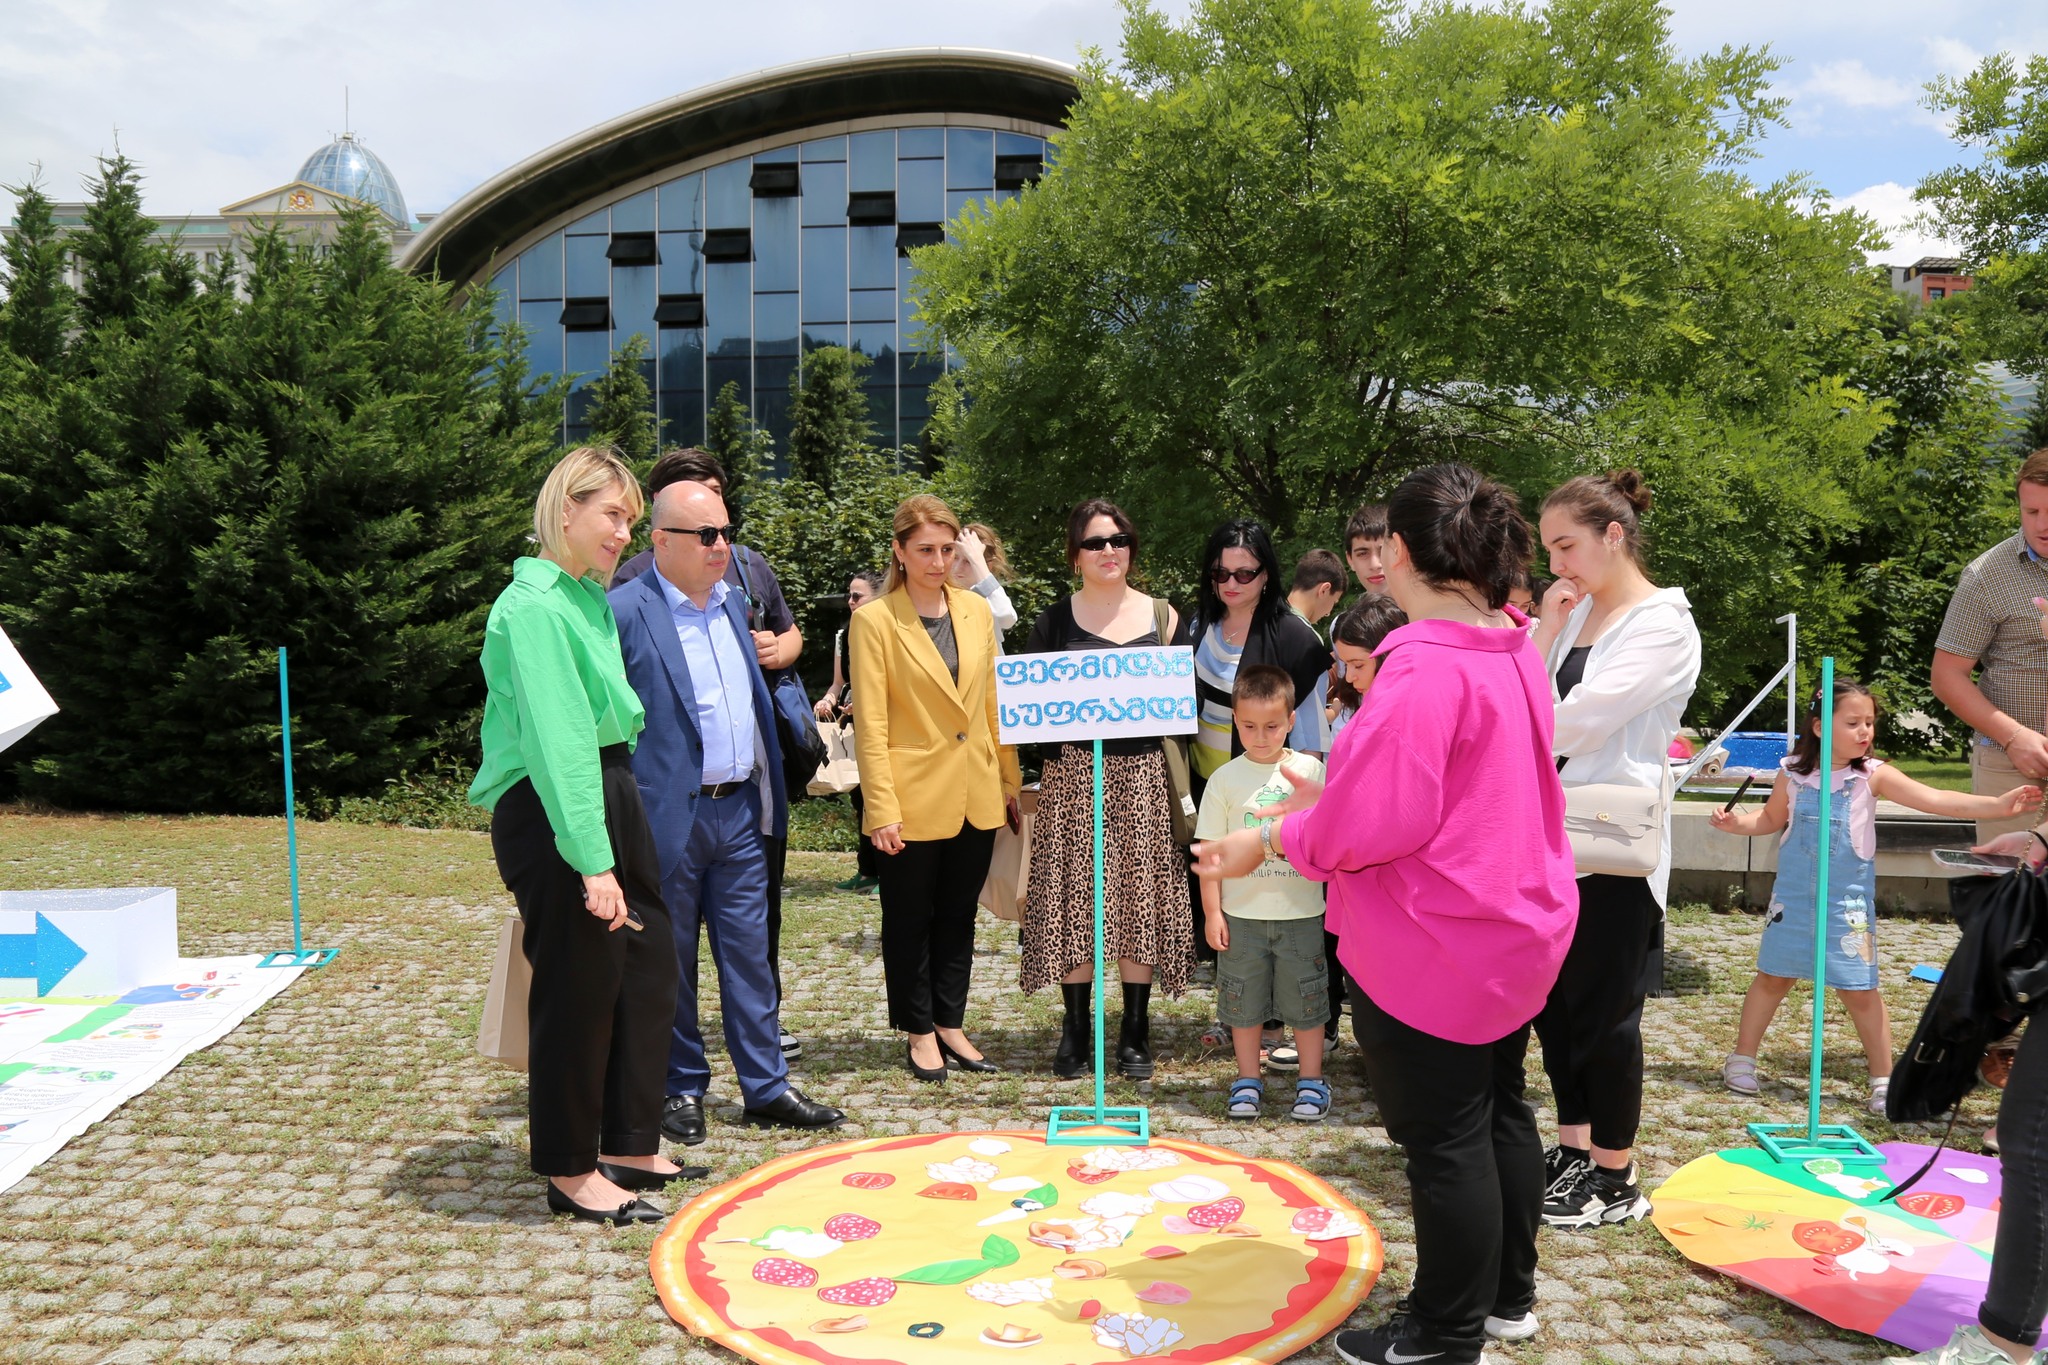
(1616,830)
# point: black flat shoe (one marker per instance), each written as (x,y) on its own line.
(966,1063)
(792,1109)
(926,1073)
(635,1178)
(682,1119)
(625,1215)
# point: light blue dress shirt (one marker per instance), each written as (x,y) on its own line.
(718,674)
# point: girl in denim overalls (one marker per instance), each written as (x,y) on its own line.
(1786,953)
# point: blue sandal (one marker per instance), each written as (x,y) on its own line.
(1311,1100)
(1247,1098)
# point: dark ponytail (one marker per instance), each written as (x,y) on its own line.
(1806,748)
(1461,528)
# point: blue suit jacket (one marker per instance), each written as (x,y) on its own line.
(668,764)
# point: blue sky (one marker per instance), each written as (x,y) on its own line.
(219,100)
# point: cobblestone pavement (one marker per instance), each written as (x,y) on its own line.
(344,1179)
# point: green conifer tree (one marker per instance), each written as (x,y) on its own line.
(828,414)
(621,411)
(38,305)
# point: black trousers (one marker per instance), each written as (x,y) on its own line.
(1475,1167)
(602,1000)
(1591,1028)
(2017,1296)
(777,851)
(928,896)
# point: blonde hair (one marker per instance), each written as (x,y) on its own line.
(998,561)
(584,471)
(911,513)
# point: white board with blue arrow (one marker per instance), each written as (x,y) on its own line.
(24,704)
(87,942)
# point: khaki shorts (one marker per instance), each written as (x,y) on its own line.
(1992,774)
(1273,969)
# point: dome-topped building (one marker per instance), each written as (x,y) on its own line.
(346,166)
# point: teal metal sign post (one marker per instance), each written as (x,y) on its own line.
(300,955)
(1837,1140)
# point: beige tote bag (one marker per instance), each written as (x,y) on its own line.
(502,1035)
(839,772)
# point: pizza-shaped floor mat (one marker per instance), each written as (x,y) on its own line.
(1821,1234)
(946,1247)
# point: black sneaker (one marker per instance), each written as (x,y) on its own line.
(1397,1341)
(1594,1197)
(1559,1166)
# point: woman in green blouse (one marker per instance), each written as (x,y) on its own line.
(573,846)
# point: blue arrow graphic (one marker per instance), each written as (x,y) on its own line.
(48,955)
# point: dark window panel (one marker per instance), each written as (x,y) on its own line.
(871,257)
(910,235)
(576,433)
(588,273)
(728,244)
(1019,144)
(680,310)
(824,274)
(920,191)
(505,289)
(540,269)
(771,399)
(682,204)
(970,159)
(775,245)
(871,206)
(914,410)
(871,161)
(728,203)
(825,195)
(682,418)
(876,341)
(632,248)
(682,358)
(882,411)
(587,315)
(770,181)
(682,262)
(722,370)
(597,224)
(825,149)
(543,324)
(872,306)
(958,200)
(729,311)
(775,324)
(1015,172)
(633,301)
(635,214)
(818,334)
(585,356)
(920,142)
(777,156)
(922,367)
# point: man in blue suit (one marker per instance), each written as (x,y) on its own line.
(710,774)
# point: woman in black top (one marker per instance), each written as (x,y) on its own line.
(1144,875)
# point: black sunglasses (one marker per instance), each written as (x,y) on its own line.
(1122,540)
(707,536)
(1220,575)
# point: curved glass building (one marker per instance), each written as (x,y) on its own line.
(738,226)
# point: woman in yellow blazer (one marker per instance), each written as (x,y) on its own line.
(937,783)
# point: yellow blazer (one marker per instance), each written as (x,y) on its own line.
(926,746)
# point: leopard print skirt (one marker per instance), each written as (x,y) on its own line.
(1145,886)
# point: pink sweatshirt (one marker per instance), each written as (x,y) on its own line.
(1441,834)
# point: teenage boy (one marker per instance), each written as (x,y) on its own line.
(1318,586)
(1365,536)
(1267,928)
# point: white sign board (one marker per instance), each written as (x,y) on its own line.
(23,702)
(1084,694)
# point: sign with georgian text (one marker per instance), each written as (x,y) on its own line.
(1084,694)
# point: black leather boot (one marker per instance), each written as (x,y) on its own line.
(1076,1057)
(1134,1045)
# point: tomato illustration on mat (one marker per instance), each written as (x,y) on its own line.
(1826,1239)
(1933,1205)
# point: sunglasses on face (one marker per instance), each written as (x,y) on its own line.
(707,536)
(1122,540)
(1220,575)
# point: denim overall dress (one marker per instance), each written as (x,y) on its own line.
(1787,947)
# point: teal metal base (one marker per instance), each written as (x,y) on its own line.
(1085,1125)
(1794,1142)
(305,957)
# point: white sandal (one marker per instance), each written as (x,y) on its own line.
(1738,1073)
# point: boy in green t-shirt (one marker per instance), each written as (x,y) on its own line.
(1267,928)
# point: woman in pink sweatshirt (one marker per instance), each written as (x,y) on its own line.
(1451,889)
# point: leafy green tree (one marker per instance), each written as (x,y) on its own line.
(745,449)
(621,411)
(828,414)
(338,461)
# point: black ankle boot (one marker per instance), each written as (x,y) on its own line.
(1076,1056)
(1134,1044)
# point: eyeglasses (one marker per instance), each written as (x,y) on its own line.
(1220,575)
(707,536)
(1122,540)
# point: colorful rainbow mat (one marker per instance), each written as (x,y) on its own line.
(946,1247)
(1817,1235)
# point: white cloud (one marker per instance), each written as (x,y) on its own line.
(1852,83)
(1893,208)
(1951,56)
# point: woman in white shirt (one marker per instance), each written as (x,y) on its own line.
(1624,656)
(981,567)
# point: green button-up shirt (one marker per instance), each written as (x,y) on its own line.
(558,694)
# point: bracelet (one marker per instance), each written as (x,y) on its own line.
(1266,838)
(2036,835)
(2017,731)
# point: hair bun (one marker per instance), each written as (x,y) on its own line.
(1629,483)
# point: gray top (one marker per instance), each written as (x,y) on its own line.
(940,628)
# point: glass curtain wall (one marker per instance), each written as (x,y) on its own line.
(734,271)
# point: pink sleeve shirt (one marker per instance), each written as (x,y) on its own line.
(1441,834)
